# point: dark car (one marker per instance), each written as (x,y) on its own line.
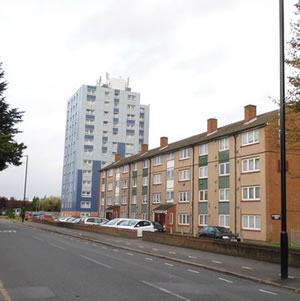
(218,232)
(158,227)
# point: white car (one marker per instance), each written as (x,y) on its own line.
(137,224)
(92,220)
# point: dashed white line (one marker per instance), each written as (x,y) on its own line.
(117,241)
(94,245)
(56,246)
(128,243)
(97,262)
(216,261)
(142,247)
(268,292)
(150,259)
(166,291)
(226,280)
(247,268)
(171,252)
(104,247)
(193,271)
(169,264)
(154,249)
(129,254)
(193,257)
(115,250)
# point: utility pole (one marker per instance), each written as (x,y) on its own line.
(25,184)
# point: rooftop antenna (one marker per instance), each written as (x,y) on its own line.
(127,83)
(107,77)
(99,81)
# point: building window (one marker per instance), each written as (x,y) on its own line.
(157,160)
(184,175)
(184,154)
(251,193)
(203,172)
(145,181)
(251,222)
(170,195)
(124,183)
(183,219)
(110,173)
(224,220)
(87,162)
(117,200)
(250,137)
(184,196)
(157,179)
(110,186)
(203,149)
(133,200)
(203,219)
(124,199)
(109,201)
(145,199)
(170,174)
(134,182)
(224,169)
(146,163)
(144,216)
(135,166)
(86,194)
(156,198)
(171,219)
(85,204)
(250,165)
(125,168)
(224,194)
(203,195)
(223,144)
(170,156)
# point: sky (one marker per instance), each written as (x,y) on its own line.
(191,60)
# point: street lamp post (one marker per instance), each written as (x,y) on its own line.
(25,184)
(283,234)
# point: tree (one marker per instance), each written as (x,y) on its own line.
(10,151)
(51,203)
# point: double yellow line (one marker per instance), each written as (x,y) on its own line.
(4,293)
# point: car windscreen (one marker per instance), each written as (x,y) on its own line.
(112,222)
(223,230)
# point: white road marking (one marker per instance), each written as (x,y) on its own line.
(97,262)
(247,268)
(193,257)
(104,247)
(150,259)
(115,250)
(171,252)
(37,238)
(154,249)
(166,291)
(128,244)
(225,280)
(169,264)
(129,254)
(94,245)
(142,247)
(56,246)
(193,271)
(268,292)
(117,241)
(216,261)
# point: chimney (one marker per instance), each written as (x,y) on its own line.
(212,125)
(144,148)
(163,141)
(250,112)
(117,157)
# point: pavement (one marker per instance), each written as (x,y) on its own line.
(254,270)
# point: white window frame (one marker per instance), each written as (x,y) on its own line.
(203,172)
(170,156)
(135,166)
(157,179)
(251,137)
(184,219)
(145,181)
(184,196)
(133,199)
(109,186)
(125,184)
(171,219)
(246,193)
(203,195)
(110,173)
(85,204)
(109,201)
(249,224)
(250,162)
(185,153)
(124,199)
(157,160)
(203,218)
(144,199)
(224,169)
(125,168)
(134,182)
(156,198)
(224,220)
(224,194)
(146,164)
(203,149)
(170,174)
(184,175)
(224,144)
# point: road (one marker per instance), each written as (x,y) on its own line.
(40,265)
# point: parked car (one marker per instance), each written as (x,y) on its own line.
(218,232)
(92,220)
(49,217)
(26,216)
(113,222)
(136,224)
(158,227)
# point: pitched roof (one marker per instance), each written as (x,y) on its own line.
(227,130)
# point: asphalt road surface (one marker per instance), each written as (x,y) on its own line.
(40,265)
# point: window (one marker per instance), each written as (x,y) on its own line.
(124,183)
(87,172)
(184,154)
(133,200)
(135,166)
(251,193)
(183,219)
(203,219)
(251,222)
(170,156)
(110,173)
(157,179)
(145,199)
(146,163)
(157,160)
(86,182)
(110,186)
(223,144)
(85,204)
(170,195)
(156,198)
(184,196)
(125,168)
(109,201)
(144,216)
(224,169)
(145,181)
(203,149)
(170,174)
(117,200)
(203,195)
(224,220)
(124,199)
(250,165)
(250,137)
(184,175)
(171,219)
(203,172)
(134,182)
(224,194)
(87,162)
(86,193)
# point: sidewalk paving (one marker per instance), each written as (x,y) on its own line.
(263,272)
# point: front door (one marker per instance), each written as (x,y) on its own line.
(109,215)
(160,218)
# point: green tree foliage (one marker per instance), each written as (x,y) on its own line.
(50,204)
(10,151)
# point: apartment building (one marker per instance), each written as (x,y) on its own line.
(227,176)
(101,121)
